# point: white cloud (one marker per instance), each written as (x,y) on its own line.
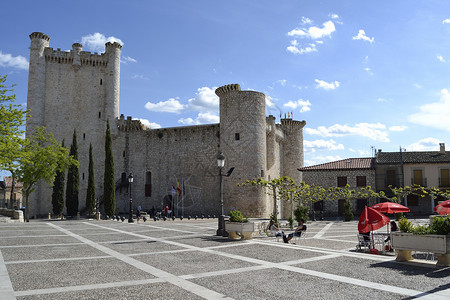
(205,100)
(446,21)
(282,82)
(305,105)
(383,100)
(172,105)
(270,102)
(368,70)
(295,49)
(19,62)
(362,36)
(96,42)
(441,58)
(322,159)
(312,146)
(327,86)
(149,124)
(306,20)
(375,132)
(426,144)
(398,128)
(202,118)
(127,59)
(434,114)
(417,86)
(314,32)
(138,76)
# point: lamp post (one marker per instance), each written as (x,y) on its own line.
(221,164)
(130,217)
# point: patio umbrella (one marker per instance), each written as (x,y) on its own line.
(371,219)
(390,208)
(443,208)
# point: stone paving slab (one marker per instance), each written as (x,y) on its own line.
(49,252)
(18,241)
(281,284)
(389,272)
(141,247)
(41,275)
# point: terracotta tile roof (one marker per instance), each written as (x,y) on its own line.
(345,164)
(413,157)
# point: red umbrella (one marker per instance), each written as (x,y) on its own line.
(443,208)
(371,219)
(390,208)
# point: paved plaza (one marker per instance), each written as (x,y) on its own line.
(183,259)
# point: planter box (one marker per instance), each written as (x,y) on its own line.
(238,230)
(404,243)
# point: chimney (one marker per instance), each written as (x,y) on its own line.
(442,148)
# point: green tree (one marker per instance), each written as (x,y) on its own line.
(12,120)
(108,179)
(42,157)
(90,195)
(58,188)
(73,180)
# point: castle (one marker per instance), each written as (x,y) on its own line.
(171,166)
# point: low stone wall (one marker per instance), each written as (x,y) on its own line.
(12,213)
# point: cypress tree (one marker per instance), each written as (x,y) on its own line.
(58,190)
(73,179)
(90,195)
(109,182)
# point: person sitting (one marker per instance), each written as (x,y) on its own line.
(276,231)
(394,227)
(298,231)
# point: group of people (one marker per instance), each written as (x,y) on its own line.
(286,238)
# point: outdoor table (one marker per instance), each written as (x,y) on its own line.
(379,238)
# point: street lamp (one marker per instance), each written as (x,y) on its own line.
(130,217)
(221,164)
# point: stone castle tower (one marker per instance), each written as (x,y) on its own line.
(78,90)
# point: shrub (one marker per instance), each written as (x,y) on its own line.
(236,216)
(439,225)
(291,222)
(348,211)
(405,225)
(301,212)
(274,218)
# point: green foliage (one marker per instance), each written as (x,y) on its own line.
(58,189)
(291,222)
(12,120)
(108,178)
(90,194)
(301,212)
(73,180)
(404,225)
(42,157)
(441,225)
(236,216)
(348,211)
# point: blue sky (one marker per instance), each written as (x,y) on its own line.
(363,74)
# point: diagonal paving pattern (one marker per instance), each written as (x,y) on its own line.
(183,259)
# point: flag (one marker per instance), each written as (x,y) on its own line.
(184,189)
(173,191)
(178,188)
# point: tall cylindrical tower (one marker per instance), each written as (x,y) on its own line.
(112,81)
(36,80)
(243,142)
(293,148)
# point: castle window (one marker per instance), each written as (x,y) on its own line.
(236,136)
(123,154)
(84,136)
(99,114)
(361,181)
(262,173)
(82,176)
(148,184)
(101,81)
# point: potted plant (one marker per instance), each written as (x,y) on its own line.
(434,238)
(239,227)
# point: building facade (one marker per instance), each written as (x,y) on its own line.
(356,172)
(78,90)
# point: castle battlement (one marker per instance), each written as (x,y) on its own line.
(39,35)
(67,57)
(129,124)
(227,88)
(292,123)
